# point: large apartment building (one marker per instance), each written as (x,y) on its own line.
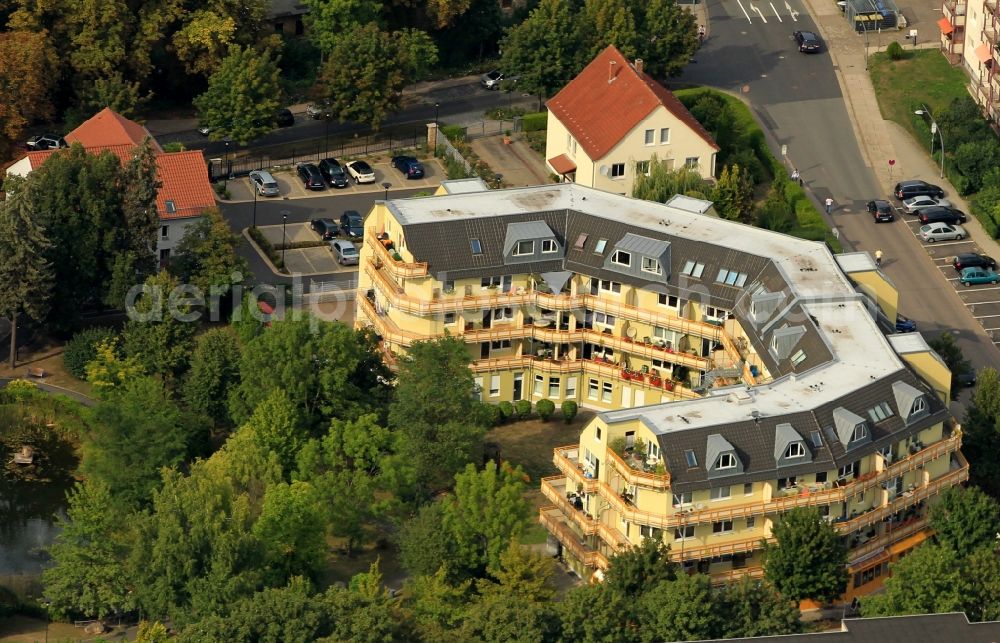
(970,34)
(739,372)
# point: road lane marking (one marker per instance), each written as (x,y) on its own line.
(777,15)
(939,244)
(982,289)
(744,11)
(984,316)
(982,303)
(759,13)
(792,12)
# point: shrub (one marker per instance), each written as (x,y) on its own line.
(522,408)
(506,410)
(18,391)
(454,132)
(494,414)
(545,409)
(82,348)
(569,410)
(266,247)
(895,51)
(617,445)
(535,122)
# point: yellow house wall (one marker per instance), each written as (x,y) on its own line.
(875,285)
(932,369)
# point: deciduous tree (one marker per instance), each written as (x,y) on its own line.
(927,581)
(543,51)
(206,256)
(661,184)
(755,608)
(683,609)
(328,20)
(809,560)
(242,97)
(26,84)
(277,426)
(669,37)
(499,618)
(598,614)
(638,568)
(160,331)
(290,528)
(425,547)
(437,605)
(733,195)
(214,374)
(981,439)
(965,519)
(203,41)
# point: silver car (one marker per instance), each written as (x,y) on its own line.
(344,252)
(264,183)
(941,232)
(915,204)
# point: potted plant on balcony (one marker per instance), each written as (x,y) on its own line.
(655,380)
(668,385)
(626,375)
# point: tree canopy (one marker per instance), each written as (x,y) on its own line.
(809,559)
(243,96)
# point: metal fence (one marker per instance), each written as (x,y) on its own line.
(220,168)
(449,150)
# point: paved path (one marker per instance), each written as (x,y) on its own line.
(518,163)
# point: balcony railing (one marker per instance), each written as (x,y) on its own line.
(991,7)
(726,577)
(682,550)
(869,547)
(555,523)
(632,476)
(555,489)
(992,36)
(398,268)
(567,460)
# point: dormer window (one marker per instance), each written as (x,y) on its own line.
(548,245)
(795,450)
(524,248)
(651,265)
(919,406)
(725,461)
(860,432)
(622,258)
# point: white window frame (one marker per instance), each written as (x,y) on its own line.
(164,231)
(879,412)
(691,458)
(716,493)
(494,386)
(609,286)
(617,171)
(642,167)
(503,314)
(549,246)
(600,246)
(684,533)
(539,386)
(686,498)
(664,136)
(719,314)
(518,252)
(651,265)
(798,357)
(607,392)
(721,527)
(664,299)
(799,450)
(500,345)
(650,137)
(453,317)
(725,461)
(751,522)
(593,389)
(476,246)
(860,432)
(693,269)
(692,162)
(571,387)
(479,388)
(604,319)
(919,405)
(622,258)
(557,383)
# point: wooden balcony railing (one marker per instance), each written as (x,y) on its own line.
(868,547)
(567,460)
(682,550)
(553,521)
(659,481)
(731,575)
(554,488)
(398,268)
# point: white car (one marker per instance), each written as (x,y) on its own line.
(264,183)
(915,204)
(491,79)
(361,172)
(941,232)
(344,252)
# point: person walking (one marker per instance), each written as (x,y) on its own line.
(829,205)
(878,258)
(796,177)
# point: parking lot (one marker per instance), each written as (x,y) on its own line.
(291,186)
(305,261)
(983,300)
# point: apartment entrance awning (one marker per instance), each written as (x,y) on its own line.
(562,164)
(983,53)
(945,25)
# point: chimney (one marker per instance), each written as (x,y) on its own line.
(611,71)
(638,65)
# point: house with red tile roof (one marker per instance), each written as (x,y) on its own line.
(608,122)
(185,192)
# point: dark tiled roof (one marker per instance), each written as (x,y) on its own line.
(921,628)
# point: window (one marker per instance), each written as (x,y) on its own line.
(859,498)
(795,450)
(786,483)
(449,319)
(500,344)
(524,248)
(653,451)
(820,477)
(798,357)
(849,470)
(879,412)
(664,135)
(692,459)
(720,493)
(691,162)
(503,314)
(610,286)
(683,498)
(622,258)
(731,278)
(477,248)
(495,386)
(449,286)
(722,527)
(604,319)
(860,432)
(751,522)
(479,388)
(171,207)
(606,391)
(817,439)
(539,384)
(919,405)
(553,387)
(592,389)
(548,245)
(601,245)
(642,167)
(716,313)
(164,231)
(748,489)
(649,532)
(670,301)
(597,433)
(649,137)
(725,461)
(571,387)
(684,533)
(581,241)
(503,282)
(693,269)
(617,170)
(651,265)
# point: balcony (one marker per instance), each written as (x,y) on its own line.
(863,553)
(554,488)
(567,460)
(384,257)
(992,36)
(632,476)
(724,578)
(681,550)
(553,521)
(991,7)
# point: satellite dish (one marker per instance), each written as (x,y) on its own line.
(603,170)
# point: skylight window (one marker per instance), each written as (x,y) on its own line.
(477,248)
(601,245)
(693,269)
(817,439)
(581,241)
(798,357)
(692,459)
(731,278)
(880,412)
(171,207)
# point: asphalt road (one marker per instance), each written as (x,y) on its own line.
(269,212)
(797,97)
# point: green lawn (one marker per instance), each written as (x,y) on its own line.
(924,76)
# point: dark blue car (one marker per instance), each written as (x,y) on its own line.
(409,166)
(904,325)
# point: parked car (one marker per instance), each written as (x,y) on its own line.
(334,173)
(409,166)
(807,41)
(45,142)
(966,378)
(284,118)
(361,172)
(204,130)
(915,204)
(264,183)
(491,79)
(344,252)
(973,276)
(973,260)
(352,225)
(317,112)
(881,210)
(326,228)
(933,232)
(906,189)
(941,214)
(311,177)
(905,325)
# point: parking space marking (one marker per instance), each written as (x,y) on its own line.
(743,9)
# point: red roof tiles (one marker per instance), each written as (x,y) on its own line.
(562,164)
(609,98)
(109,128)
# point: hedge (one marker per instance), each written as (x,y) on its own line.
(82,349)
(535,122)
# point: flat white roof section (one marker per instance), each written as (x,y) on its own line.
(856,262)
(465,186)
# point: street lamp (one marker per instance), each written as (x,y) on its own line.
(284,220)
(436,107)
(225,181)
(254,188)
(498,178)
(386,186)
(935,129)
